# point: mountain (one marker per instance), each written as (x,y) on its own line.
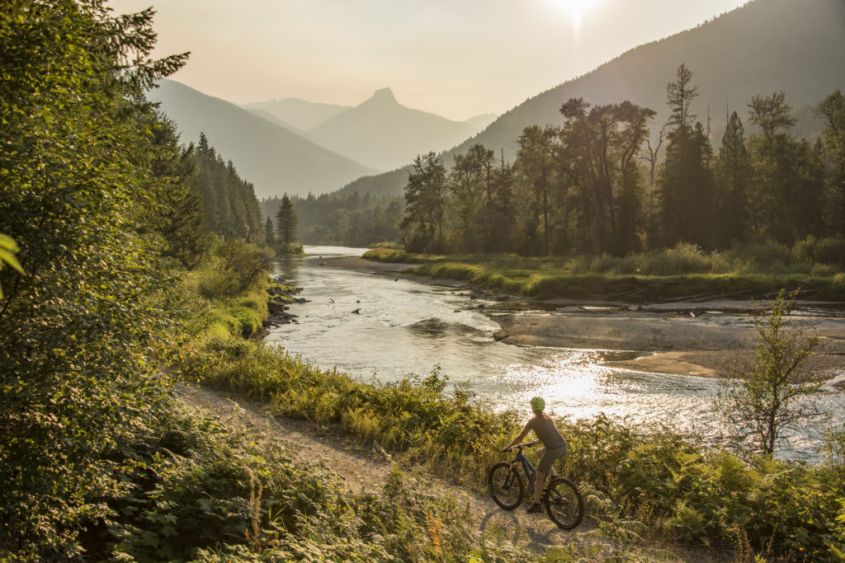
(273,158)
(302,114)
(480,122)
(273,119)
(384,134)
(764,46)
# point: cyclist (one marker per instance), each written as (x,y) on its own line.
(554,447)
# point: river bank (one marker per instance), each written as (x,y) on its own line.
(702,338)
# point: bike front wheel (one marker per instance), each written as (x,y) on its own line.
(564,504)
(506,486)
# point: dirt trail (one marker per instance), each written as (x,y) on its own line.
(367,471)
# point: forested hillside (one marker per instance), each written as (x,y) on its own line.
(765,46)
(230,208)
(274,158)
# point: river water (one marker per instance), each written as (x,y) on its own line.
(382,329)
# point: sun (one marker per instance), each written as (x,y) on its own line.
(575,9)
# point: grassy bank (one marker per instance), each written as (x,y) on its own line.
(675,274)
(641,483)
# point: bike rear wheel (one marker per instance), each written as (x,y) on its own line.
(564,504)
(506,486)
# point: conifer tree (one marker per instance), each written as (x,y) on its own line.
(686,185)
(286,225)
(832,111)
(269,232)
(733,171)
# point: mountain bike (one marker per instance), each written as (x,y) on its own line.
(561,498)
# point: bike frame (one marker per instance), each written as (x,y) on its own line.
(527,466)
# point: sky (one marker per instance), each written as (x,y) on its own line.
(457,58)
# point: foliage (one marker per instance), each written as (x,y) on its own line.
(425,204)
(684,271)
(229,204)
(351,220)
(78,333)
(199,490)
(8,249)
(774,392)
(286,225)
(577,188)
(639,482)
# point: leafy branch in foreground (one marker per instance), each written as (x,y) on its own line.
(8,249)
(774,392)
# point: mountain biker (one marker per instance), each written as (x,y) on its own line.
(554,447)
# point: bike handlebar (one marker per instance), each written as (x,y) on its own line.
(525,445)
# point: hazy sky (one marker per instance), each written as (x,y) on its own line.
(457,58)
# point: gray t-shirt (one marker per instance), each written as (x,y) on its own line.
(545,429)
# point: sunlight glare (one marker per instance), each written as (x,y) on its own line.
(575,9)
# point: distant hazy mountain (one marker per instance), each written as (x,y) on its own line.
(767,45)
(300,113)
(273,119)
(275,159)
(480,122)
(384,134)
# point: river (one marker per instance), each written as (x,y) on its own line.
(382,329)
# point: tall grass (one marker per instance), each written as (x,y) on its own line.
(685,271)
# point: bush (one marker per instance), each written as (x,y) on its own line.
(236,266)
(768,257)
(827,251)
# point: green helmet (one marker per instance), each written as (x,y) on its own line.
(538,404)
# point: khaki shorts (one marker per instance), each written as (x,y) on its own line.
(548,457)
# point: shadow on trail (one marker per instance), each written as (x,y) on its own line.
(537,530)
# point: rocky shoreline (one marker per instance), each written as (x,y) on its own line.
(280,295)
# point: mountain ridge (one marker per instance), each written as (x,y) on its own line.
(382,133)
(274,159)
(303,114)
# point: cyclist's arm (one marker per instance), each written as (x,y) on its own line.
(519,438)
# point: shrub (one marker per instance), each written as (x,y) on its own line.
(827,251)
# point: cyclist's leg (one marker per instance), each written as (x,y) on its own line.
(545,466)
(539,478)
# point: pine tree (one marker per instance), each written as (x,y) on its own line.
(686,185)
(286,225)
(832,110)
(733,172)
(269,232)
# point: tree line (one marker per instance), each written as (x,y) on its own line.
(230,207)
(602,183)
(352,220)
